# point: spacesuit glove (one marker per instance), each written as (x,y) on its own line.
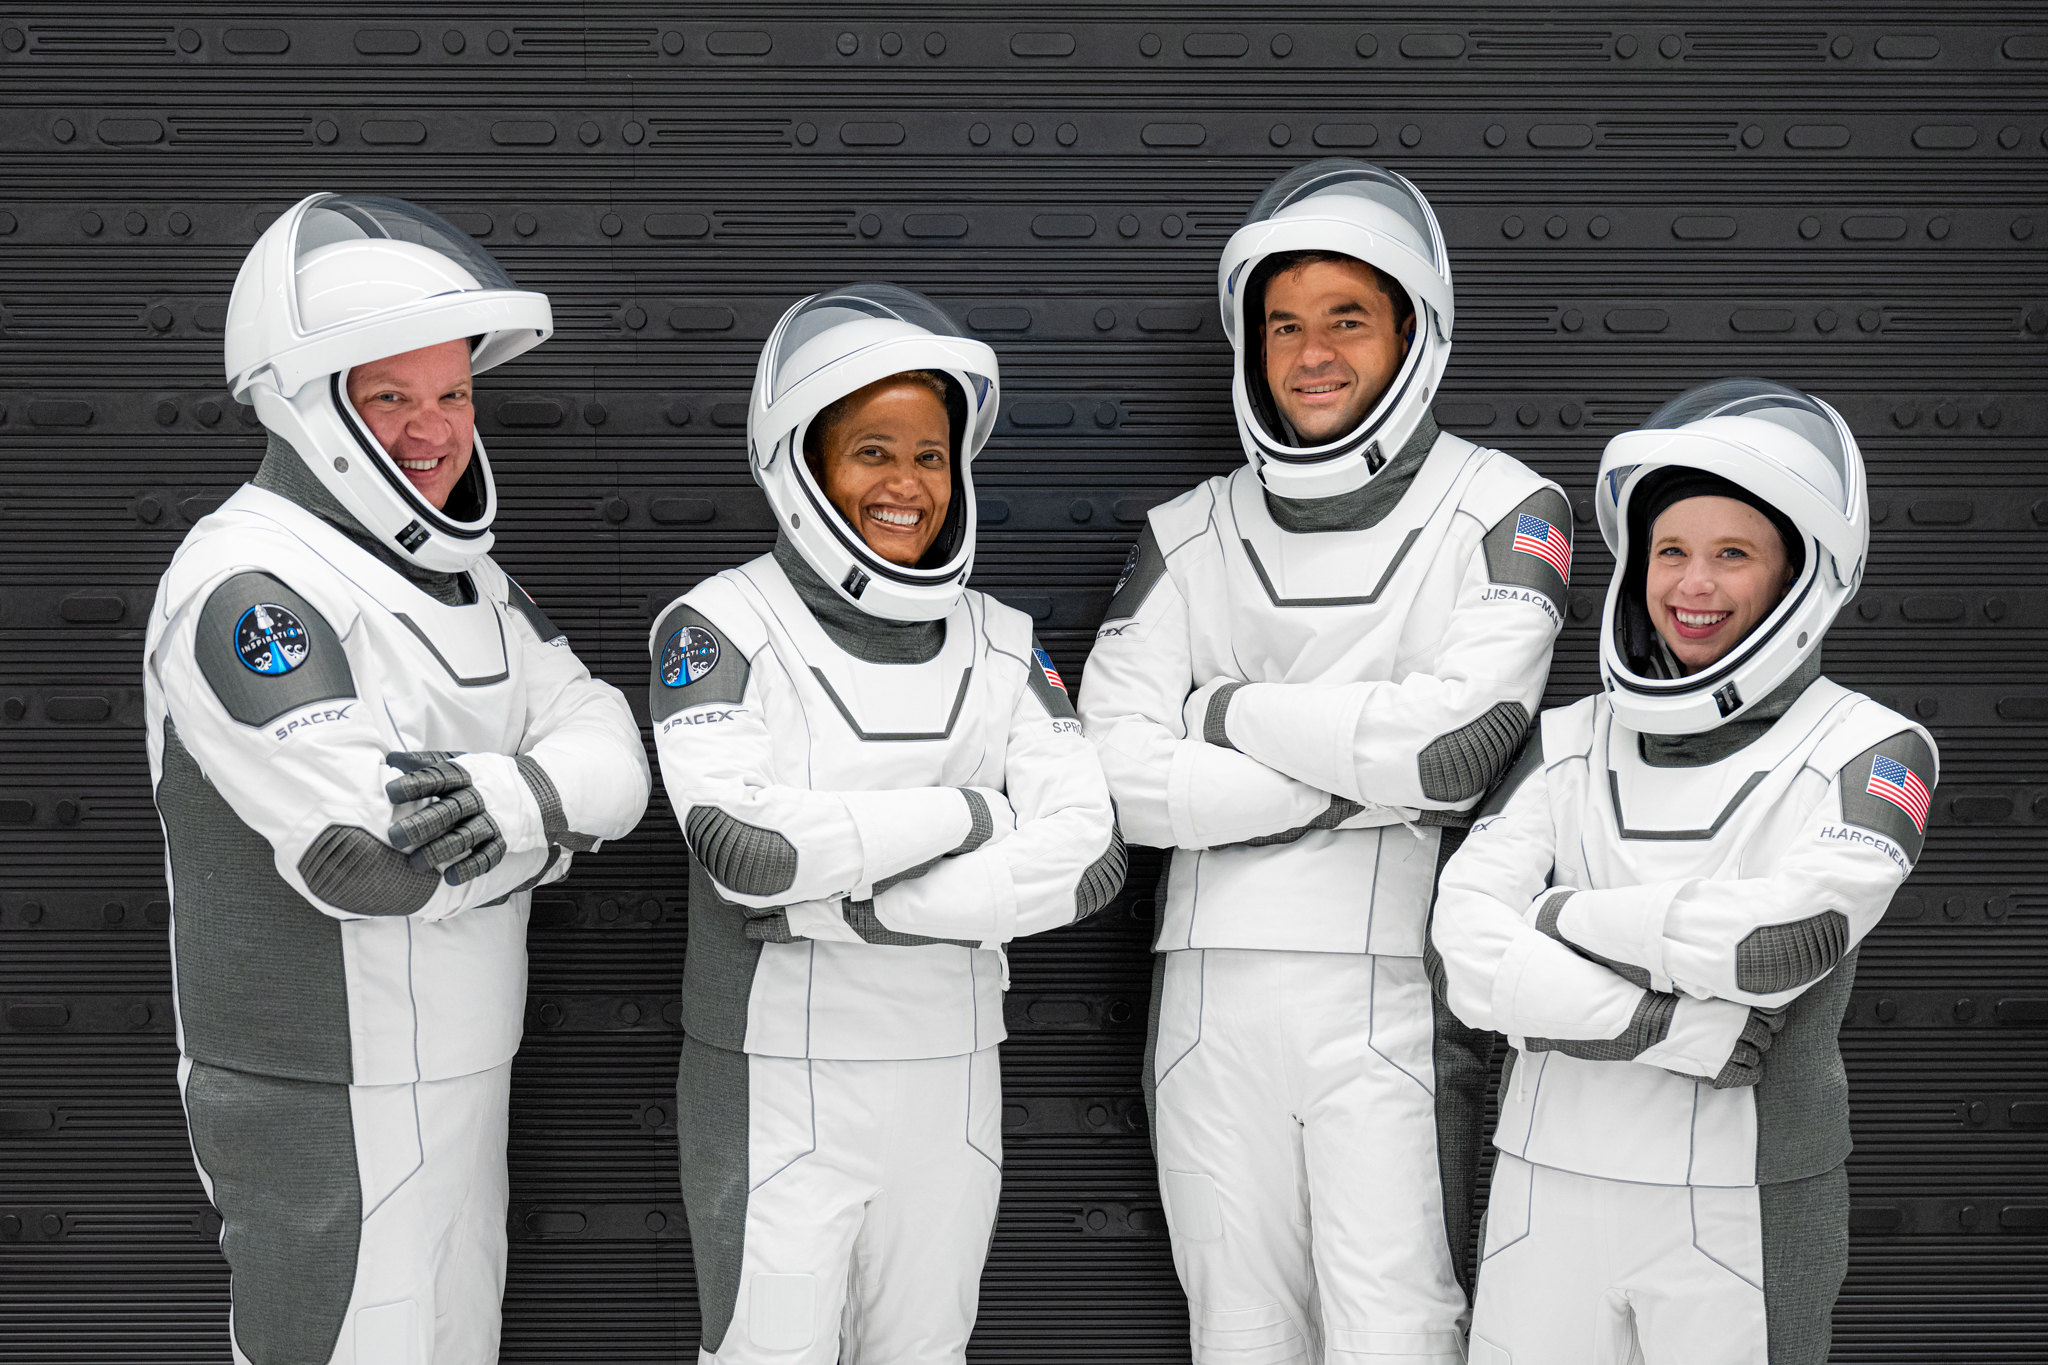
(1543,913)
(477,810)
(1202,714)
(1745,1065)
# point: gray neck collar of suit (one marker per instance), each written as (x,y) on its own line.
(285,474)
(1711,746)
(865,637)
(1361,508)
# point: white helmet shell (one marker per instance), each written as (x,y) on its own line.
(1792,451)
(1372,215)
(824,348)
(342,280)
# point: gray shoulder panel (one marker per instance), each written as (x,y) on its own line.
(1521,553)
(744,857)
(1464,763)
(522,602)
(1784,957)
(694,663)
(265,651)
(1528,761)
(353,870)
(1143,568)
(1039,676)
(1876,796)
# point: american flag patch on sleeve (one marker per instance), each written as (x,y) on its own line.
(1535,536)
(1052,675)
(1893,781)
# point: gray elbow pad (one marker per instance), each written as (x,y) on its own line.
(352,869)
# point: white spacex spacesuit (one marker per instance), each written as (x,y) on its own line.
(882,782)
(347,1015)
(1365,629)
(1661,907)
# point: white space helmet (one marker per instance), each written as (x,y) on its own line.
(829,346)
(1790,451)
(1372,215)
(343,280)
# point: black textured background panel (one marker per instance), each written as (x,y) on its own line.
(1849,198)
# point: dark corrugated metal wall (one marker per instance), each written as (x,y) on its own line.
(1846,197)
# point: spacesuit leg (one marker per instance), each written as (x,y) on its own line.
(1579,1269)
(779,1162)
(1384,1275)
(361,1223)
(917,1262)
(1230,1159)
(430,1273)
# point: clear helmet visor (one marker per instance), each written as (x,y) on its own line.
(1398,203)
(374,217)
(1834,476)
(873,312)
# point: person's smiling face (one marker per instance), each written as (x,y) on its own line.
(1332,345)
(417,404)
(886,462)
(1716,568)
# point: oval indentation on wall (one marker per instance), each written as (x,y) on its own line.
(992,511)
(2026,47)
(1561,136)
(1944,137)
(1763,319)
(387,42)
(60,412)
(38,1017)
(1433,45)
(701,317)
(880,133)
(530,412)
(1933,608)
(1464,412)
(556,1222)
(17,810)
(130,132)
(77,710)
(1908,47)
(1703,227)
(256,42)
(2023,708)
(522,132)
(934,225)
(1981,810)
(1041,45)
(1942,511)
(1174,134)
(1063,225)
(1346,135)
(92,609)
(729,412)
(999,318)
(1163,318)
(672,225)
(394,132)
(1873,227)
(1064,1010)
(682,511)
(1041,412)
(1817,137)
(1216,45)
(739,43)
(1637,320)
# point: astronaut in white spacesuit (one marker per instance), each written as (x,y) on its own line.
(368,745)
(1661,908)
(882,783)
(1310,672)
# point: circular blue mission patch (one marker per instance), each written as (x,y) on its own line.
(688,655)
(270,639)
